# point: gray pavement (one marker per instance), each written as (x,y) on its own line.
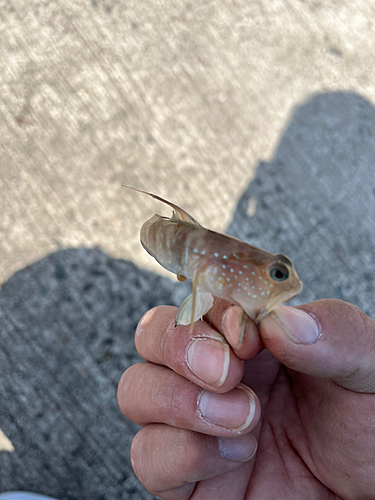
(256,117)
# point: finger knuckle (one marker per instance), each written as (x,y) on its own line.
(142,324)
(125,384)
(141,457)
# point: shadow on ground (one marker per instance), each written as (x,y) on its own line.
(67,321)
(315,201)
(67,335)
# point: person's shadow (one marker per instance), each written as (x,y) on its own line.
(315,201)
(67,322)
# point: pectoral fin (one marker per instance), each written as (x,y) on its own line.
(193,308)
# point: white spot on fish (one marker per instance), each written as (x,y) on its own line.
(245,267)
(262,293)
(195,250)
(253,287)
(228,279)
(268,292)
(225,256)
(255,296)
(223,266)
(239,272)
(252,272)
(215,270)
(203,252)
(216,254)
(231,271)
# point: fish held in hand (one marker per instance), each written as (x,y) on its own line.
(219,266)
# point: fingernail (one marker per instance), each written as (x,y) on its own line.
(301,328)
(233,410)
(232,326)
(239,449)
(209,360)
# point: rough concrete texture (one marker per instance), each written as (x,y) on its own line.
(256,117)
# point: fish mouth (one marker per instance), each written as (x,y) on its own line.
(276,302)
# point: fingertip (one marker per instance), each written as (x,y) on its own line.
(204,357)
(291,335)
(212,362)
(238,410)
(208,360)
(239,330)
(300,326)
(328,338)
(238,449)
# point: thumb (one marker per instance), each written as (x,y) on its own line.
(327,338)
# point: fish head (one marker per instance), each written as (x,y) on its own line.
(254,279)
(285,283)
(265,283)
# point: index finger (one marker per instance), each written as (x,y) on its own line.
(203,357)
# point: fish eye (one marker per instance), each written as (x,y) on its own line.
(279,273)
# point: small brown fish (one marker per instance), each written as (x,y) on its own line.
(219,265)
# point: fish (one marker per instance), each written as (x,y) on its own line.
(219,266)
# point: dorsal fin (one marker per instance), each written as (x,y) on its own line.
(178,213)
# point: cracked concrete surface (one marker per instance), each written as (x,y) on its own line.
(257,117)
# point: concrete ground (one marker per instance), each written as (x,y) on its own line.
(256,117)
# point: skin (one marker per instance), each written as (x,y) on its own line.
(302,385)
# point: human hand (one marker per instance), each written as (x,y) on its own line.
(310,406)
